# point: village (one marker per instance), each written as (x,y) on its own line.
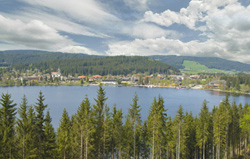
(180,81)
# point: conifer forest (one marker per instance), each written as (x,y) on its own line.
(100,131)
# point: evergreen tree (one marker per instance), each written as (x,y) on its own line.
(245,125)
(203,129)
(40,135)
(49,139)
(157,125)
(98,121)
(219,125)
(128,140)
(179,132)
(145,146)
(170,139)
(7,123)
(85,129)
(31,135)
(135,117)
(117,131)
(189,136)
(23,127)
(63,136)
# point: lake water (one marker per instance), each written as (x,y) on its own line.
(70,97)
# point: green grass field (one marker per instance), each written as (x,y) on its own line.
(192,67)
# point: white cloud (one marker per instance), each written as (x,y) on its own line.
(149,31)
(195,12)
(164,46)
(140,5)
(160,46)
(78,49)
(58,23)
(36,35)
(80,10)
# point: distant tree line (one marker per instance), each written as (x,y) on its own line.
(118,65)
(26,57)
(95,131)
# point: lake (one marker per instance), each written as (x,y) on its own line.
(70,97)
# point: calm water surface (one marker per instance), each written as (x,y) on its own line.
(70,97)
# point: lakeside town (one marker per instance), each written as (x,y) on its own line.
(180,81)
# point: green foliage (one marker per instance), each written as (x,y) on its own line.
(7,123)
(118,65)
(63,136)
(94,132)
(193,67)
(39,126)
(157,126)
(49,139)
(210,62)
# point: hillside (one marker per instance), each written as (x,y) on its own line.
(210,62)
(116,65)
(13,57)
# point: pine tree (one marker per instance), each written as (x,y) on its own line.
(189,136)
(135,117)
(31,135)
(219,125)
(85,129)
(203,129)
(145,146)
(157,125)
(128,140)
(235,129)
(23,127)
(117,131)
(245,125)
(49,139)
(40,136)
(179,132)
(98,121)
(7,123)
(63,136)
(170,139)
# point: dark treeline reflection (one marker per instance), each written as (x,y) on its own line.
(96,131)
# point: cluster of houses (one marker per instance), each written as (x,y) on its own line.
(114,80)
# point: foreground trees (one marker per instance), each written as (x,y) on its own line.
(96,132)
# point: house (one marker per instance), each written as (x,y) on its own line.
(217,83)
(97,77)
(194,76)
(109,82)
(30,78)
(82,77)
(56,74)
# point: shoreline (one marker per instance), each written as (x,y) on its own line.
(145,86)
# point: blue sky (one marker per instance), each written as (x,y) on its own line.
(216,28)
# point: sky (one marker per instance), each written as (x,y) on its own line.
(206,28)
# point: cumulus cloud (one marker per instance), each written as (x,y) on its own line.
(36,35)
(224,24)
(197,11)
(78,49)
(162,46)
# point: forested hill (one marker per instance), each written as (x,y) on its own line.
(13,57)
(115,65)
(210,62)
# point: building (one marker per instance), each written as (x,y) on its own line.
(56,74)
(217,83)
(109,82)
